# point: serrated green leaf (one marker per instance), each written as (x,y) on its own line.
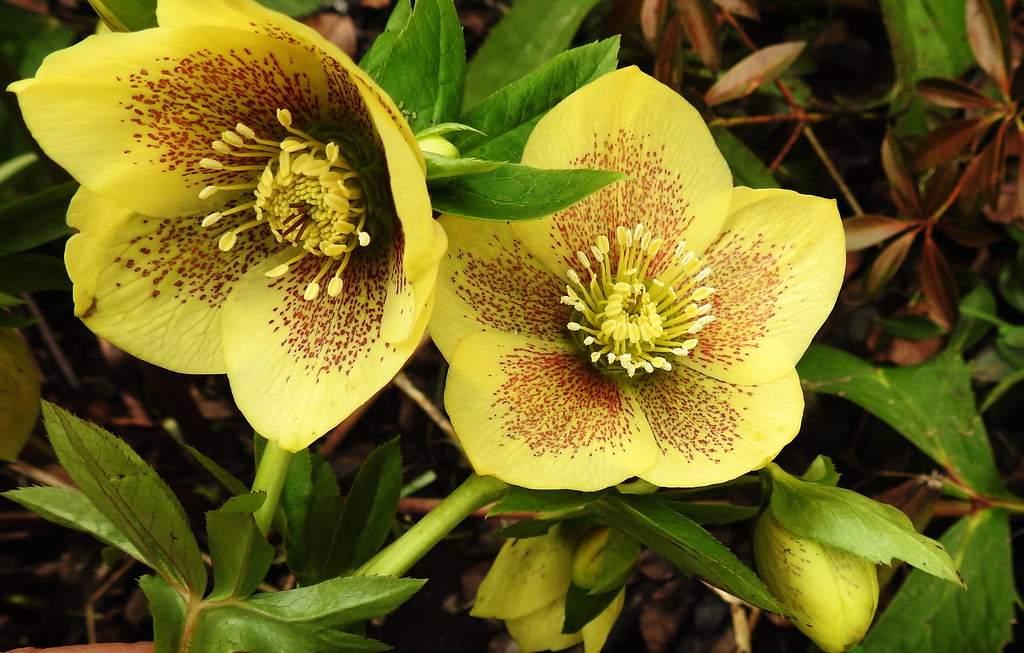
(506,118)
(518,499)
(239,552)
(688,546)
(71,509)
(130,495)
(747,168)
(423,67)
(531,33)
(931,616)
(376,57)
(226,478)
(518,192)
(371,505)
(168,608)
(851,522)
(930,404)
(311,501)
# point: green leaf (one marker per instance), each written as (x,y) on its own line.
(226,478)
(423,67)
(239,552)
(911,327)
(126,15)
(688,546)
(582,607)
(370,506)
(929,39)
(304,620)
(506,118)
(527,528)
(518,192)
(518,499)
(311,501)
(168,608)
(930,616)
(531,33)
(130,495)
(377,56)
(747,168)
(712,513)
(443,167)
(31,272)
(295,8)
(851,522)
(71,509)
(929,404)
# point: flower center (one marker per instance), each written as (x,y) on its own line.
(307,194)
(628,322)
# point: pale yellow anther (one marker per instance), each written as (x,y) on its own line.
(334,286)
(284,116)
(312,290)
(207,192)
(364,239)
(227,241)
(212,219)
(245,131)
(222,147)
(211,164)
(231,138)
(279,271)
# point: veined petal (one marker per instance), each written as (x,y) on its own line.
(680,185)
(487,281)
(542,630)
(154,286)
(538,415)
(776,270)
(595,633)
(527,574)
(157,99)
(710,431)
(298,367)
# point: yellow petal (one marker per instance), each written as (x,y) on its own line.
(538,415)
(776,270)
(154,287)
(298,367)
(542,630)
(710,431)
(679,187)
(595,633)
(149,104)
(487,281)
(527,575)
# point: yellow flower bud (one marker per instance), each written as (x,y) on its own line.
(832,594)
(439,145)
(588,561)
(19,394)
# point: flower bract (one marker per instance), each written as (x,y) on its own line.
(251,203)
(650,330)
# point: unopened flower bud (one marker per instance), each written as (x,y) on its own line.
(439,145)
(832,594)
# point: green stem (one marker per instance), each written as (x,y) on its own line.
(270,475)
(475,493)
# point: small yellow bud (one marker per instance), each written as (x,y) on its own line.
(439,145)
(588,561)
(832,594)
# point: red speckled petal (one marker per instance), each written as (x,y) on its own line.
(154,287)
(776,270)
(487,281)
(679,188)
(538,415)
(149,104)
(298,367)
(710,431)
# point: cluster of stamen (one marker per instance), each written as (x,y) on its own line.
(302,189)
(627,321)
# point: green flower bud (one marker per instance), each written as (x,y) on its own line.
(832,594)
(438,145)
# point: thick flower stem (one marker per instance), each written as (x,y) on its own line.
(273,467)
(476,492)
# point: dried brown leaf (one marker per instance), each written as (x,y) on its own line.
(951,93)
(887,263)
(866,230)
(764,65)
(700,23)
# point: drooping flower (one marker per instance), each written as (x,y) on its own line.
(650,330)
(251,203)
(527,586)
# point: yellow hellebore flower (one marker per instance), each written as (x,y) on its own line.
(526,587)
(650,330)
(251,203)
